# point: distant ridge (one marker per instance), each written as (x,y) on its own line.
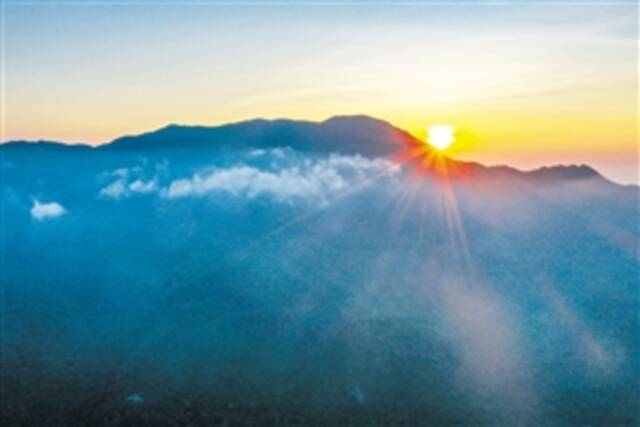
(565,172)
(44,144)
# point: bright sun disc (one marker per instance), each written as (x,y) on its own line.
(440,136)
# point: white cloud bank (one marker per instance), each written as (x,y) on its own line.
(42,211)
(280,173)
(304,179)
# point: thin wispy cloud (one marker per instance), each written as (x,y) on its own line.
(125,185)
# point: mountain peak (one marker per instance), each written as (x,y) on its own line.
(355,119)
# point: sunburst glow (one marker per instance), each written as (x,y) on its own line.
(440,136)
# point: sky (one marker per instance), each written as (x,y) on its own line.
(523,83)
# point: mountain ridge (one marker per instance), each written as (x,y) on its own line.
(345,134)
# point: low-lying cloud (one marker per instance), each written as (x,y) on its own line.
(303,179)
(43,211)
(123,186)
(279,173)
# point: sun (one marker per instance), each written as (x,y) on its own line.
(440,136)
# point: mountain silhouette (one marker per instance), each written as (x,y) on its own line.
(349,135)
(342,134)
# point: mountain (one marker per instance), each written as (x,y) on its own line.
(300,273)
(349,135)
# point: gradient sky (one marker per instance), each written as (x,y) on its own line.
(524,84)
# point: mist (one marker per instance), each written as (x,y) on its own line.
(286,284)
